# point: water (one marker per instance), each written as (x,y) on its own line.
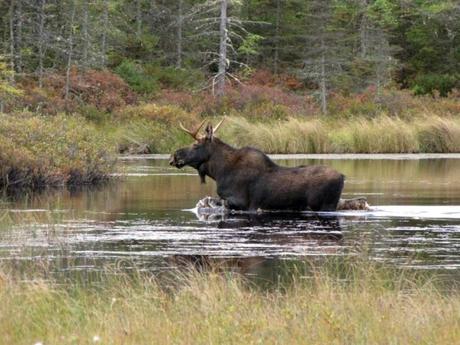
(144,219)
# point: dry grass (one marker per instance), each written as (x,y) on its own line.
(363,304)
(384,134)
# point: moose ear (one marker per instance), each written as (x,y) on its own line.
(209,132)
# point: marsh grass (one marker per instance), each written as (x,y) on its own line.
(342,302)
(426,133)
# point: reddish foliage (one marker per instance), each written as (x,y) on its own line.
(284,81)
(102,89)
(243,98)
(247,95)
(262,77)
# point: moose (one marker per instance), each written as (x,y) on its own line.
(247,179)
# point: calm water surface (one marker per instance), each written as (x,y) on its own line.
(144,219)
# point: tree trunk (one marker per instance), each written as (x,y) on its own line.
(222,50)
(277,37)
(363,30)
(69,55)
(12,47)
(41,40)
(85,33)
(105,23)
(138,20)
(323,79)
(18,36)
(179,34)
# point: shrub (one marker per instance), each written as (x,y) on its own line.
(152,128)
(135,75)
(176,78)
(101,90)
(429,83)
(37,151)
(166,114)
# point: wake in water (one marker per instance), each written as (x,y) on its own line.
(210,208)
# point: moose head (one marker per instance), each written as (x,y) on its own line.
(199,153)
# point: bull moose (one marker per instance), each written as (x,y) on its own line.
(247,179)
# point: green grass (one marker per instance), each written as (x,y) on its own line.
(38,151)
(342,303)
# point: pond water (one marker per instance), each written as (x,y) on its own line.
(144,219)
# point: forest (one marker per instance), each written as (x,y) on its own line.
(293,76)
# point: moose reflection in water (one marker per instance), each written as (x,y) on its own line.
(247,179)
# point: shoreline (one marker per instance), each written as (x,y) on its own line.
(332,156)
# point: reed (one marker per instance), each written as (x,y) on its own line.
(426,133)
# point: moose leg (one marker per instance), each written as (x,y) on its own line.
(236,203)
(236,200)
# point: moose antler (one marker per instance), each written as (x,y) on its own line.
(192,133)
(218,125)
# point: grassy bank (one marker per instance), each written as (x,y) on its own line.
(356,304)
(38,151)
(382,134)
(44,150)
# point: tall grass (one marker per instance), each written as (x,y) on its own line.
(360,303)
(383,134)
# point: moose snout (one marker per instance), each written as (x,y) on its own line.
(172,159)
(177,159)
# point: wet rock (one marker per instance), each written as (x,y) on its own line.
(353,204)
(210,205)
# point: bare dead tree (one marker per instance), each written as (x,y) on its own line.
(12,37)
(18,37)
(180,22)
(363,28)
(138,19)
(221,74)
(70,43)
(85,33)
(105,23)
(41,40)
(277,36)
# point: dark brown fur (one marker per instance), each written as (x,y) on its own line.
(249,180)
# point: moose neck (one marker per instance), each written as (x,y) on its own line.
(221,156)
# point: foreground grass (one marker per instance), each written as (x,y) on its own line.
(363,304)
